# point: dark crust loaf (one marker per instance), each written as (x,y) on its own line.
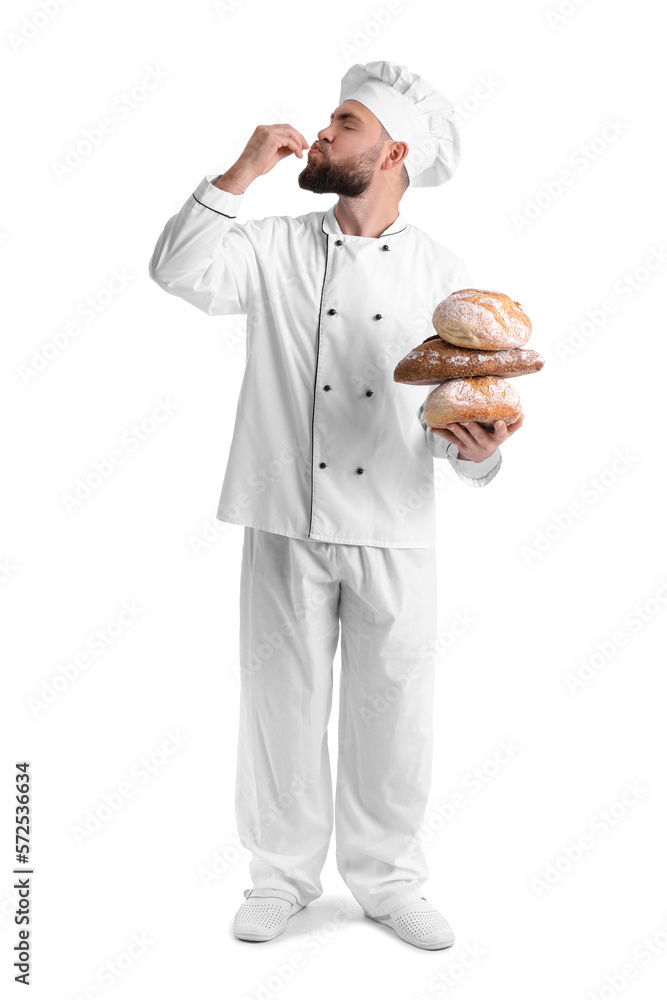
(477,317)
(483,398)
(435,360)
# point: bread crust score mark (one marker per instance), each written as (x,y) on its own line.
(483,398)
(474,317)
(479,343)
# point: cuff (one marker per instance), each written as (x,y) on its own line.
(477,473)
(439,446)
(212,197)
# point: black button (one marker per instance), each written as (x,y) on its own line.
(359,471)
(378,315)
(332,312)
(326,388)
(339,243)
(323,465)
(369,392)
(385,246)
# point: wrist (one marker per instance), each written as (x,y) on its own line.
(235,180)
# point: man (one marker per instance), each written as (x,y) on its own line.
(330,470)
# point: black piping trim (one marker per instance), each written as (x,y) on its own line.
(377,237)
(317,361)
(212,209)
(392,234)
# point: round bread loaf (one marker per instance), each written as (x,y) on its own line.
(484,398)
(474,317)
(435,360)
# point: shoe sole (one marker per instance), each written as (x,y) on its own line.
(436,946)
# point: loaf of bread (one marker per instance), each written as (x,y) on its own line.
(435,360)
(473,317)
(484,398)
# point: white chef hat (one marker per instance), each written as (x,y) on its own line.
(412,111)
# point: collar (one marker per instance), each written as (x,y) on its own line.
(331,227)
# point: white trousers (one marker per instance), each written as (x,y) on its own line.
(294,594)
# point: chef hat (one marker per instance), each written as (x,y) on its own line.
(412,111)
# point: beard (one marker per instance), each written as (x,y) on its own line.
(348,178)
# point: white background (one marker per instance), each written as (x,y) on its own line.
(535,91)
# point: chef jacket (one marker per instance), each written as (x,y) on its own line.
(326,445)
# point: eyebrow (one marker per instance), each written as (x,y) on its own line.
(347,114)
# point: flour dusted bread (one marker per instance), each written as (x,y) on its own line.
(435,360)
(484,398)
(474,317)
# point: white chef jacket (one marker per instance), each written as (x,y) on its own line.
(326,445)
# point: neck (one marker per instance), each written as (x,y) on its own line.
(366,216)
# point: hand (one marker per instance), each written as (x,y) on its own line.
(474,442)
(267,145)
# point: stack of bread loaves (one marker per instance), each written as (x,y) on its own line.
(478,344)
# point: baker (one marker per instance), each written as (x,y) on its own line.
(334,298)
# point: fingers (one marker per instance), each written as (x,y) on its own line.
(448,436)
(300,141)
(514,426)
(462,434)
(301,138)
(453,439)
(477,432)
(500,433)
(297,141)
(473,440)
(288,141)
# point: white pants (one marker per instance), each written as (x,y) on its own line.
(293,594)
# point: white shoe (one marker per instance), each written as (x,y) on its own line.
(420,924)
(264,914)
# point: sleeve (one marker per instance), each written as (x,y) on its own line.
(205,257)
(472,473)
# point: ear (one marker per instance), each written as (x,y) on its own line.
(398,152)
